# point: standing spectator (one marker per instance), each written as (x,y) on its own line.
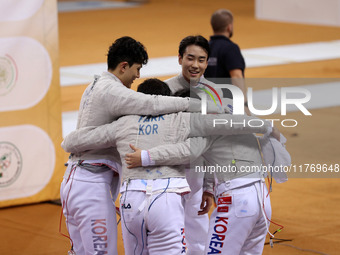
(226,60)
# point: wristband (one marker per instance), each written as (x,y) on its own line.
(146,159)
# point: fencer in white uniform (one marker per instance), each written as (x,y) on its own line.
(92,176)
(151,203)
(240,222)
(193,54)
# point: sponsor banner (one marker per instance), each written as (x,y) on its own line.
(10,10)
(25,73)
(31,159)
(27,161)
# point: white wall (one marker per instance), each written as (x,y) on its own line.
(317,12)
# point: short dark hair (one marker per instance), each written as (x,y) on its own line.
(182,93)
(194,40)
(126,49)
(220,19)
(154,86)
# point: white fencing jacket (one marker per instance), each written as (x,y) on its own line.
(147,132)
(106,99)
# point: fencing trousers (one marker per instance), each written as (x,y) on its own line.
(152,224)
(238,225)
(196,226)
(90,211)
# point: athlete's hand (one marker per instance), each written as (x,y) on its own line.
(133,159)
(207,201)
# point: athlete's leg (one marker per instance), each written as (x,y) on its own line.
(233,220)
(255,241)
(71,225)
(90,210)
(132,222)
(165,223)
(196,226)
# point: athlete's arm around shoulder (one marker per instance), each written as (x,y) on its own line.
(124,101)
(91,138)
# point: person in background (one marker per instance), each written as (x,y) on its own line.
(226,60)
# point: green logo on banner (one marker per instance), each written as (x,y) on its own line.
(10,163)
